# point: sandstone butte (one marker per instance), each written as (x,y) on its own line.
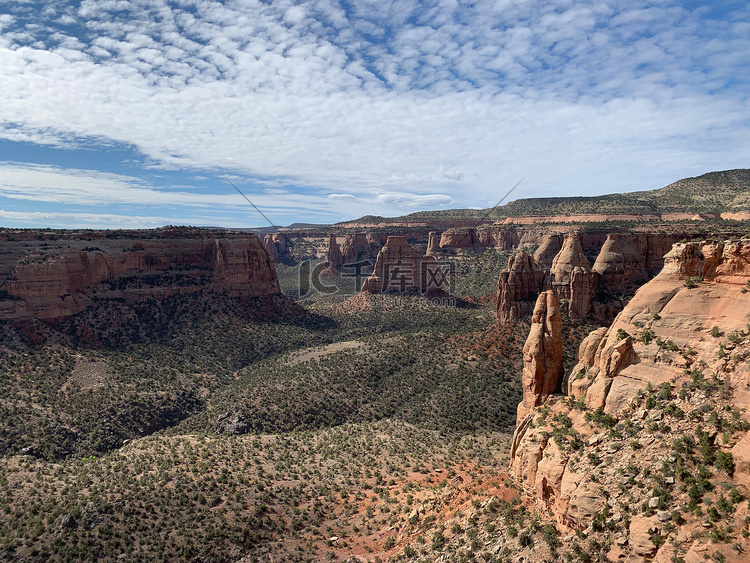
(398,267)
(661,341)
(57,279)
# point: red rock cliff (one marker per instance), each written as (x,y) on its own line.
(519,284)
(658,345)
(55,281)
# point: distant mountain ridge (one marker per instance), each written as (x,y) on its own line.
(712,193)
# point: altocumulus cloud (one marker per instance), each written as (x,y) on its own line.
(371,106)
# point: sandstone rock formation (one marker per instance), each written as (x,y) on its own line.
(542,354)
(548,249)
(576,383)
(459,239)
(270,246)
(242,267)
(47,282)
(619,264)
(334,257)
(571,278)
(356,248)
(573,461)
(481,238)
(517,288)
(399,268)
(433,243)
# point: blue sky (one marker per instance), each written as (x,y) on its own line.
(135,113)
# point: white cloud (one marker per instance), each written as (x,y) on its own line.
(424,104)
(82,220)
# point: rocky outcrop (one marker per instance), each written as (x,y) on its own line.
(619,264)
(571,460)
(542,354)
(399,268)
(481,238)
(242,267)
(356,248)
(572,279)
(433,243)
(576,383)
(231,423)
(459,239)
(47,282)
(675,306)
(548,249)
(270,246)
(334,257)
(517,288)
(41,274)
(623,262)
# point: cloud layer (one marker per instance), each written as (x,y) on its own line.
(373,106)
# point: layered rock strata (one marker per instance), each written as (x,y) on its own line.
(49,282)
(622,263)
(399,267)
(649,370)
(334,257)
(518,286)
(542,354)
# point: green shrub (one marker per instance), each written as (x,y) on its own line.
(724,461)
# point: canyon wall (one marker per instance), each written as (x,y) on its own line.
(672,369)
(399,267)
(622,262)
(57,279)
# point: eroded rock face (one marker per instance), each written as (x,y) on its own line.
(615,364)
(576,384)
(356,248)
(542,354)
(572,279)
(270,247)
(41,275)
(458,239)
(243,267)
(50,283)
(398,267)
(334,257)
(620,264)
(726,262)
(548,249)
(517,288)
(433,243)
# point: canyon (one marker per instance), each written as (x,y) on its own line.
(614,346)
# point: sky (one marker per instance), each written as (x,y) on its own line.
(143,113)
